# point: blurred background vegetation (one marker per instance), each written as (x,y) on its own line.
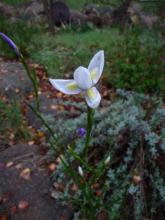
(133,55)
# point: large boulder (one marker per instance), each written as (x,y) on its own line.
(8,11)
(14,81)
(106,14)
(77,18)
(61,13)
(138,17)
(99,16)
(31,12)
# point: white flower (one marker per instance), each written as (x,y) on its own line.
(84,81)
(80,170)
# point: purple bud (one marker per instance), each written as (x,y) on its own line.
(81,132)
(10,43)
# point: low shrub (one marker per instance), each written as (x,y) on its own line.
(132,132)
(137,63)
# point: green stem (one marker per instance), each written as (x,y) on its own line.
(39,115)
(90,115)
(32,76)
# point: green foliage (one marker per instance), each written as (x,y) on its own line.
(137,62)
(58,53)
(134,58)
(11,120)
(19,32)
(107,2)
(15,2)
(132,131)
(153,6)
(76,4)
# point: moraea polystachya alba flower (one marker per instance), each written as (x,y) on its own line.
(84,80)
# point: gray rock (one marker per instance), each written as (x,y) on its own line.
(99,16)
(13,80)
(139,17)
(7,10)
(32,12)
(61,13)
(78,18)
(45,108)
(34,190)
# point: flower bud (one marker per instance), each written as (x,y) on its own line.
(11,44)
(81,132)
(137,179)
(107,160)
(80,170)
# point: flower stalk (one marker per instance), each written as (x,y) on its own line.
(90,116)
(33,77)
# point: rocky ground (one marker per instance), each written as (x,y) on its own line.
(25,189)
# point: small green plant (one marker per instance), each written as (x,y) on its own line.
(12,120)
(137,63)
(20,32)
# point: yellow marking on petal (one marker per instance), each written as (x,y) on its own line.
(94,73)
(90,93)
(72,86)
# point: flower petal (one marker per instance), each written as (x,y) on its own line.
(93,97)
(83,78)
(96,66)
(66,86)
